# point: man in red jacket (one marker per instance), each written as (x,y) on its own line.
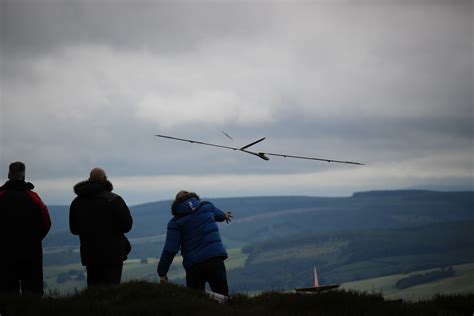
(24,222)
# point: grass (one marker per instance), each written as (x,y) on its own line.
(301,252)
(461,282)
(144,298)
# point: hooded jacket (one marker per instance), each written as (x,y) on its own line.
(100,218)
(194,230)
(24,222)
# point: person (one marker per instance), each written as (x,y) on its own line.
(194,230)
(24,222)
(100,218)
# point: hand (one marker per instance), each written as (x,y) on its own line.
(164,279)
(228,217)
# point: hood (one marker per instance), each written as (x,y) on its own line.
(187,207)
(19,185)
(91,188)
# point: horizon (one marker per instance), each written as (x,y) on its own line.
(211,198)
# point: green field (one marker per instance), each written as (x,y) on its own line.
(133,269)
(461,282)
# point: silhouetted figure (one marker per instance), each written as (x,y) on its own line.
(193,229)
(100,218)
(24,222)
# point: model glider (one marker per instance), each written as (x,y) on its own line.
(263,155)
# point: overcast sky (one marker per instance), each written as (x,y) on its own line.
(386,83)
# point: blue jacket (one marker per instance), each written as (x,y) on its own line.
(194,230)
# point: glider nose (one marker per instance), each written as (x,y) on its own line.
(262,155)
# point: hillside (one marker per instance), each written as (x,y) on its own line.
(142,298)
(461,282)
(353,255)
(275,241)
(267,217)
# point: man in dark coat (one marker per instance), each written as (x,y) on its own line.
(24,222)
(194,230)
(100,218)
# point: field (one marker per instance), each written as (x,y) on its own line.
(461,282)
(134,269)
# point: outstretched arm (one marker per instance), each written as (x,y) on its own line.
(220,216)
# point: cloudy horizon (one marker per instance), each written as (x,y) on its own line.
(88,83)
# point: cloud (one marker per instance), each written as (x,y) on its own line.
(89,83)
(442,170)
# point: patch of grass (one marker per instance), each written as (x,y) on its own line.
(302,251)
(236,259)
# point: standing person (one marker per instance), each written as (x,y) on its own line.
(194,230)
(24,222)
(100,218)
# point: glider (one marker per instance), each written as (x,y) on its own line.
(262,155)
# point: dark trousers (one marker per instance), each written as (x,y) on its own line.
(211,271)
(103,274)
(24,277)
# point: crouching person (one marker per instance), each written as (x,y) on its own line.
(100,218)
(194,230)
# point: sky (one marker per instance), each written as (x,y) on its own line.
(385,83)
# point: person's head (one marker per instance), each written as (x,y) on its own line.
(97,175)
(182,196)
(16,171)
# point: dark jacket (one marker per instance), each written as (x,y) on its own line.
(24,222)
(100,218)
(194,230)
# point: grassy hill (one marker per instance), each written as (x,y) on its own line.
(266,218)
(143,298)
(367,235)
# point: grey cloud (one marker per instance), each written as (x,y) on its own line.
(382,83)
(32,27)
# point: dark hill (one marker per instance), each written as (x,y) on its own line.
(256,216)
(351,255)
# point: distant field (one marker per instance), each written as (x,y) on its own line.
(301,252)
(51,273)
(133,269)
(461,282)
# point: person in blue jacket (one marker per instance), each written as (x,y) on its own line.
(194,230)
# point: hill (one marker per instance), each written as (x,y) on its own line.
(275,241)
(268,217)
(461,282)
(143,298)
(346,256)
